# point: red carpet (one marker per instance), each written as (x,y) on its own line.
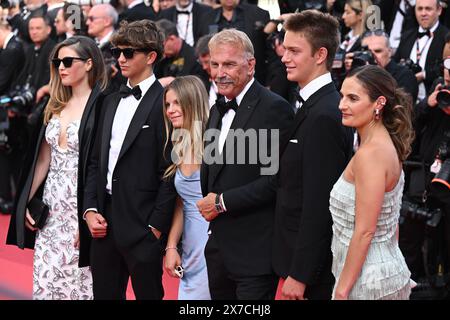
(16,271)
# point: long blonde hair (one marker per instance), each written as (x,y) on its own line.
(60,94)
(188,140)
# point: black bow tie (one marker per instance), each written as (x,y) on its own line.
(422,34)
(299,97)
(125,91)
(223,106)
(182,12)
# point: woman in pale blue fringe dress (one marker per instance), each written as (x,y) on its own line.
(365,202)
(186,112)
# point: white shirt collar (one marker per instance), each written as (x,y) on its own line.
(315,85)
(56,5)
(144,85)
(135,3)
(105,39)
(188,8)
(8,37)
(433,28)
(243,92)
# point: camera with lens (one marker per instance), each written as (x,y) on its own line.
(363,57)
(416,211)
(18,99)
(414,67)
(443,97)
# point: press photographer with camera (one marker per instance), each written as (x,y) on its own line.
(377,51)
(425,223)
(423,46)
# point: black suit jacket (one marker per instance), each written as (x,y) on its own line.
(36,66)
(140,197)
(254,20)
(18,234)
(244,232)
(389,10)
(434,56)
(138,12)
(405,78)
(199,13)
(315,156)
(11,63)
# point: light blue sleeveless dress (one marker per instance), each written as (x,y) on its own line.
(384,275)
(194,284)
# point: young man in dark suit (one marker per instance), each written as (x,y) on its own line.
(128,206)
(318,150)
(424,45)
(234,174)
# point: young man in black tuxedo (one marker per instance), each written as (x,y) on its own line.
(424,45)
(238,251)
(318,150)
(128,206)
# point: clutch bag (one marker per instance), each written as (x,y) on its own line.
(38,211)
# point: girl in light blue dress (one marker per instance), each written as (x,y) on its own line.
(186,112)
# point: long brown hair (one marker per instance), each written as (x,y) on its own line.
(60,94)
(193,99)
(397,112)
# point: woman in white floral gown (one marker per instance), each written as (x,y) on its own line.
(77,76)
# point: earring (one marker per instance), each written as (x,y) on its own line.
(377,114)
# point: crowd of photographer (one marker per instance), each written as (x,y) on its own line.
(410,39)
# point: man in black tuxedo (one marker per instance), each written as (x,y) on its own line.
(189,17)
(128,206)
(247,18)
(318,150)
(137,10)
(234,176)
(424,45)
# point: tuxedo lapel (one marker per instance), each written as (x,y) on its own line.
(87,111)
(302,114)
(140,117)
(243,113)
(107,128)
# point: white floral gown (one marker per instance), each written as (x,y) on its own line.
(56,275)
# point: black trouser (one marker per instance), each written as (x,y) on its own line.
(112,266)
(224,285)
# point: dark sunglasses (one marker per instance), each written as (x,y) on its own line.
(376,32)
(67,61)
(128,53)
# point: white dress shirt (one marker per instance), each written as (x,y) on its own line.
(313,87)
(134,3)
(185,25)
(424,47)
(396,31)
(212,94)
(105,39)
(228,118)
(122,119)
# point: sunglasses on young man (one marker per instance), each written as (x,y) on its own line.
(128,53)
(67,61)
